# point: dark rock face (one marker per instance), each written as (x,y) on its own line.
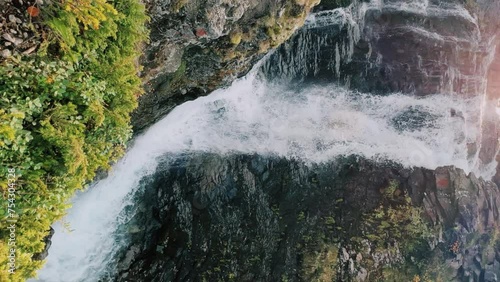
(198,46)
(331,4)
(440,48)
(251,218)
(470,207)
(400,47)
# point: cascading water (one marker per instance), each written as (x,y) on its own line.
(312,123)
(317,124)
(415,47)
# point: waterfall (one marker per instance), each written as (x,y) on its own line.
(313,123)
(436,58)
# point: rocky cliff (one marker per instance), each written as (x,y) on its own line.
(251,218)
(198,46)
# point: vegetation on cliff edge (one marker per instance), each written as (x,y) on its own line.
(64,114)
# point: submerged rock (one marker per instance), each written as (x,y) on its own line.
(253,218)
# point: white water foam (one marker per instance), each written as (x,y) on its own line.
(314,124)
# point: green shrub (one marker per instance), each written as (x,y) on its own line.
(64,114)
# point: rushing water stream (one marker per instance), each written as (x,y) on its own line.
(314,123)
(317,124)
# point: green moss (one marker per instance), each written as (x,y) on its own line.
(471,5)
(235,38)
(280,28)
(301,216)
(395,221)
(178,76)
(321,265)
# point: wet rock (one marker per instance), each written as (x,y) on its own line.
(490,276)
(193,47)
(257,219)
(395,46)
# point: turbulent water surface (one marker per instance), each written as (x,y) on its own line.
(313,123)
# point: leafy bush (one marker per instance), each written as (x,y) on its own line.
(64,114)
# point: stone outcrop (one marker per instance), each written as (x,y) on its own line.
(468,209)
(20,33)
(251,218)
(198,46)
